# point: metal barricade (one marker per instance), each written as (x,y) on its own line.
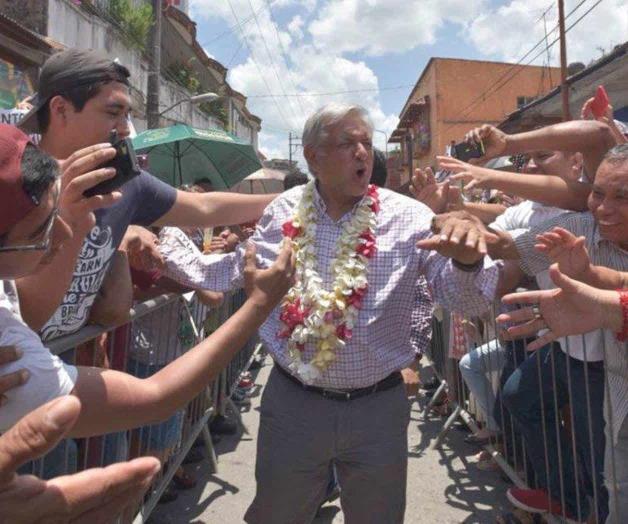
(159,330)
(545,412)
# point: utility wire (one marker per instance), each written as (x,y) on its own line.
(246,42)
(515,69)
(272,61)
(329,93)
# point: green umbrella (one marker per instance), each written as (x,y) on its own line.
(182,154)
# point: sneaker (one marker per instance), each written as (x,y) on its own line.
(222,426)
(535,501)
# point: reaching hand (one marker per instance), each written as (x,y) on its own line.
(266,287)
(474,177)
(460,238)
(493,139)
(567,250)
(142,248)
(94,495)
(9,381)
(80,172)
(572,309)
(439,197)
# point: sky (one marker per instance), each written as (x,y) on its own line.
(372,52)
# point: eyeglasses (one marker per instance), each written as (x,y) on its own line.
(44,243)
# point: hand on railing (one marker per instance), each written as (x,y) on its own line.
(9,381)
(572,309)
(94,495)
(568,251)
(266,287)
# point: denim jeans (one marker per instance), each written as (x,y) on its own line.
(478,368)
(534,405)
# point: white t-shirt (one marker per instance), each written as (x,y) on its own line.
(49,378)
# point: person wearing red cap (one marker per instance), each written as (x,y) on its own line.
(83,95)
(33,234)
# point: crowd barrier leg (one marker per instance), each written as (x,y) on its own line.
(437,395)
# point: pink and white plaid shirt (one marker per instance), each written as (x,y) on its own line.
(381,339)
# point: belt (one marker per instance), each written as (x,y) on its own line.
(385,384)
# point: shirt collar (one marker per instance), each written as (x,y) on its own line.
(321,207)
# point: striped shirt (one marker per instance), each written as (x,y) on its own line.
(599,344)
(381,337)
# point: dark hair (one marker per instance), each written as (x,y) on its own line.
(39,171)
(380,171)
(617,155)
(293,179)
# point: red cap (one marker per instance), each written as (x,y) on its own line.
(15,203)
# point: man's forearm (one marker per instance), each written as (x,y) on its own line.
(589,137)
(545,189)
(606,278)
(41,293)
(214,209)
(487,213)
(504,248)
(114,401)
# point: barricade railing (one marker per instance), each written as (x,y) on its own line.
(159,330)
(546,412)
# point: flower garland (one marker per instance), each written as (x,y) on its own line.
(309,312)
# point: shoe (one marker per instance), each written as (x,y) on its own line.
(222,426)
(535,501)
(194,456)
(246,383)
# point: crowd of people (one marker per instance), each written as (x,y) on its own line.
(342,277)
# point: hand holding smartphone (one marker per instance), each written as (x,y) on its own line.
(125,163)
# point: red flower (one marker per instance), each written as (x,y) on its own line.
(356,296)
(343,332)
(368,249)
(301,347)
(293,314)
(289,230)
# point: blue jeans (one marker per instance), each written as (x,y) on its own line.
(534,407)
(477,368)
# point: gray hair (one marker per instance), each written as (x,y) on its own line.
(617,155)
(315,130)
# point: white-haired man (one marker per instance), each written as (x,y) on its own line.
(342,334)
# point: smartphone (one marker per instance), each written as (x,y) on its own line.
(600,102)
(125,163)
(466,150)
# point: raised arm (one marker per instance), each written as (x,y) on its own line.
(42,292)
(545,189)
(115,401)
(214,209)
(592,139)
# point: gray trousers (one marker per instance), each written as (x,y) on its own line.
(301,434)
(617,475)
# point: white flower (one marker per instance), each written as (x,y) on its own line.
(308,373)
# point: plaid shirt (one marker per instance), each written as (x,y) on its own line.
(381,339)
(421,318)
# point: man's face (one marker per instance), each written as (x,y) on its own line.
(608,202)
(344,162)
(33,229)
(108,110)
(566,166)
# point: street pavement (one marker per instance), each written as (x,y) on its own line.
(443,485)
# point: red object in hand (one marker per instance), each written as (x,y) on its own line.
(600,102)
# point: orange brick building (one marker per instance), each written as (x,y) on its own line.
(453,96)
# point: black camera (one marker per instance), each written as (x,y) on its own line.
(125,163)
(466,150)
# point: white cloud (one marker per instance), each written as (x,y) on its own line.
(511,30)
(295,27)
(377,27)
